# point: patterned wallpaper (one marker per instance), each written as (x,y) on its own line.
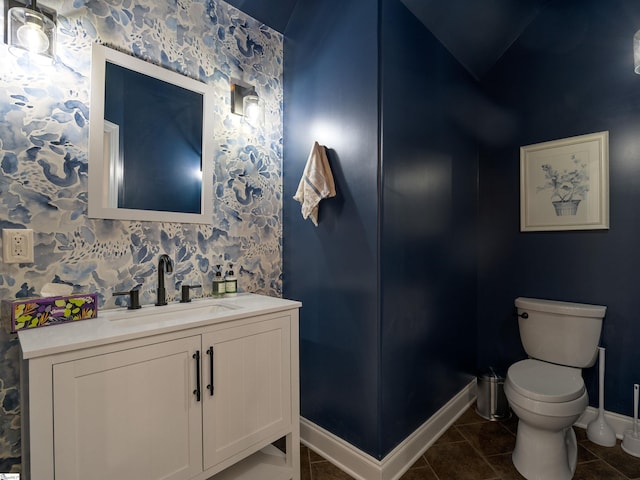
(44,131)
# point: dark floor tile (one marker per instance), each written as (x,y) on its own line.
(488,438)
(327,471)
(581,434)
(511,424)
(598,450)
(421,462)
(315,457)
(596,470)
(422,473)
(623,462)
(305,466)
(503,465)
(450,436)
(458,461)
(470,416)
(585,455)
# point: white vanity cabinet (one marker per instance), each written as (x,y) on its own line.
(200,402)
(128,414)
(247,394)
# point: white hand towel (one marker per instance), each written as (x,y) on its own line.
(316,183)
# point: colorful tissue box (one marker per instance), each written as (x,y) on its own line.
(45,311)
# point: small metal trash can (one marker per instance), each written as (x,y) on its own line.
(492,402)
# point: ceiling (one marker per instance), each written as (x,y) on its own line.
(477,33)
(274,13)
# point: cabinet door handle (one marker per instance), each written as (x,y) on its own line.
(210,386)
(196,392)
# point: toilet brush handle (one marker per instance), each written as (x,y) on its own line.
(601,366)
(635,409)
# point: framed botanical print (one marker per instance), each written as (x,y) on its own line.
(564,184)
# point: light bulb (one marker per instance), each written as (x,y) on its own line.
(33,38)
(251,108)
(31,33)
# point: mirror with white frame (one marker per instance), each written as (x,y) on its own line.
(150,142)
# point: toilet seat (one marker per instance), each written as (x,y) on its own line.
(545,382)
(549,410)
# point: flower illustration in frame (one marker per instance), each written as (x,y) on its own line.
(564,184)
(568,187)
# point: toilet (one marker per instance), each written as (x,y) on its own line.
(546,391)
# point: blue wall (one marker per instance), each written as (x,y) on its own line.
(571,73)
(383,275)
(330,82)
(429,228)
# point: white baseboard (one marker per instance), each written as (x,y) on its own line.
(363,466)
(619,423)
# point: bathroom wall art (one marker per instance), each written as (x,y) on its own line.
(564,184)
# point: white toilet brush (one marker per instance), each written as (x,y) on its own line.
(631,440)
(599,431)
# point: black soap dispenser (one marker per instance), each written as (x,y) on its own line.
(230,282)
(218,282)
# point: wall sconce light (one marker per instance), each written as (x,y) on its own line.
(246,102)
(636,52)
(30,30)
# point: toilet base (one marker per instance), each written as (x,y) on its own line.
(545,455)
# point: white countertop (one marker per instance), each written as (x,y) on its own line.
(116,325)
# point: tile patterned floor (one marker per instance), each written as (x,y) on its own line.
(476,449)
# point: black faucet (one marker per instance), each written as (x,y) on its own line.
(185,292)
(134,298)
(164,264)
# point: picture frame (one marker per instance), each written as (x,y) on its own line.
(564,184)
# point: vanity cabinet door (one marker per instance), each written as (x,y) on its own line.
(251,397)
(130,415)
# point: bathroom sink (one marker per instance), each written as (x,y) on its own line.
(182,311)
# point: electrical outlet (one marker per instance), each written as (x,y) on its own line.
(17,245)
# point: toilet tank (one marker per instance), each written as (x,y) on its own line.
(560,332)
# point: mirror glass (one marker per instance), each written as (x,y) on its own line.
(148,142)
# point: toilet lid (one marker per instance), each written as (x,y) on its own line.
(546,382)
